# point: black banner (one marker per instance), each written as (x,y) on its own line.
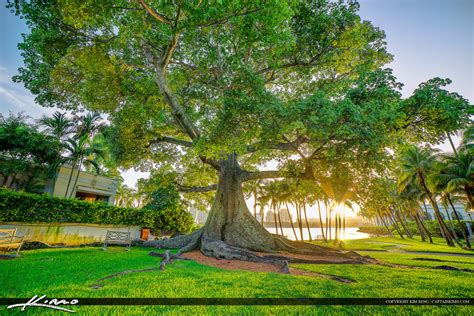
(253,301)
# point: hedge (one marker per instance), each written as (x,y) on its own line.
(35,208)
(431,225)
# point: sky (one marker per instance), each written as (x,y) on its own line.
(428,38)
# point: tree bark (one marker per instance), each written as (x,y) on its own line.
(444,229)
(321,222)
(307,224)
(460,224)
(291,221)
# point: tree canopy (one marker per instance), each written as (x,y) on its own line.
(210,87)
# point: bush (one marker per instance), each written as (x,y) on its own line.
(374,230)
(34,208)
(433,227)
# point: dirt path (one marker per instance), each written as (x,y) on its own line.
(259,267)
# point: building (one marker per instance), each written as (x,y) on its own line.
(89,187)
(199,216)
(462,213)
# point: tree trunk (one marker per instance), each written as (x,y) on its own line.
(291,220)
(231,232)
(307,224)
(70,178)
(394,222)
(452,145)
(229,219)
(321,222)
(424,227)
(299,220)
(420,229)
(279,219)
(460,224)
(275,217)
(385,224)
(469,196)
(77,177)
(255,204)
(442,225)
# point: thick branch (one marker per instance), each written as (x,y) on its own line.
(155,14)
(227,18)
(171,140)
(289,146)
(266,174)
(185,189)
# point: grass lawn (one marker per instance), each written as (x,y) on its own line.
(72,272)
(397,243)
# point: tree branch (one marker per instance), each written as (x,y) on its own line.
(171,140)
(155,14)
(227,18)
(289,146)
(266,174)
(186,189)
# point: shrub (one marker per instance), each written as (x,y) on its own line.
(34,208)
(373,230)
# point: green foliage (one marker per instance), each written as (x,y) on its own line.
(34,208)
(26,152)
(167,198)
(373,230)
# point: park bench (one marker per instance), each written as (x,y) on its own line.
(9,240)
(117,238)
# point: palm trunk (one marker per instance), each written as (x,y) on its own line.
(307,224)
(447,234)
(291,221)
(420,229)
(77,177)
(460,224)
(403,223)
(321,222)
(428,216)
(469,196)
(386,226)
(70,178)
(452,145)
(425,228)
(275,217)
(450,221)
(394,222)
(299,219)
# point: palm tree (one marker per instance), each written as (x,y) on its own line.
(82,148)
(58,125)
(415,166)
(458,174)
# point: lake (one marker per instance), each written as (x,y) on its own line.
(351,233)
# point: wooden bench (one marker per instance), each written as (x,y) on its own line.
(117,238)
(9,240)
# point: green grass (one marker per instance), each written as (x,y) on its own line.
(397,243)
(71,272)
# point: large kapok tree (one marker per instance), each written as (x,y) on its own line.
(216,89)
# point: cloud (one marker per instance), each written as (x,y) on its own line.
(15,98)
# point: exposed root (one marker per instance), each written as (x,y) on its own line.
(220,250)
(175,242)
(98,285)
(166,260)
(284,252)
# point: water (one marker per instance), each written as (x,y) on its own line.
(351,233)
